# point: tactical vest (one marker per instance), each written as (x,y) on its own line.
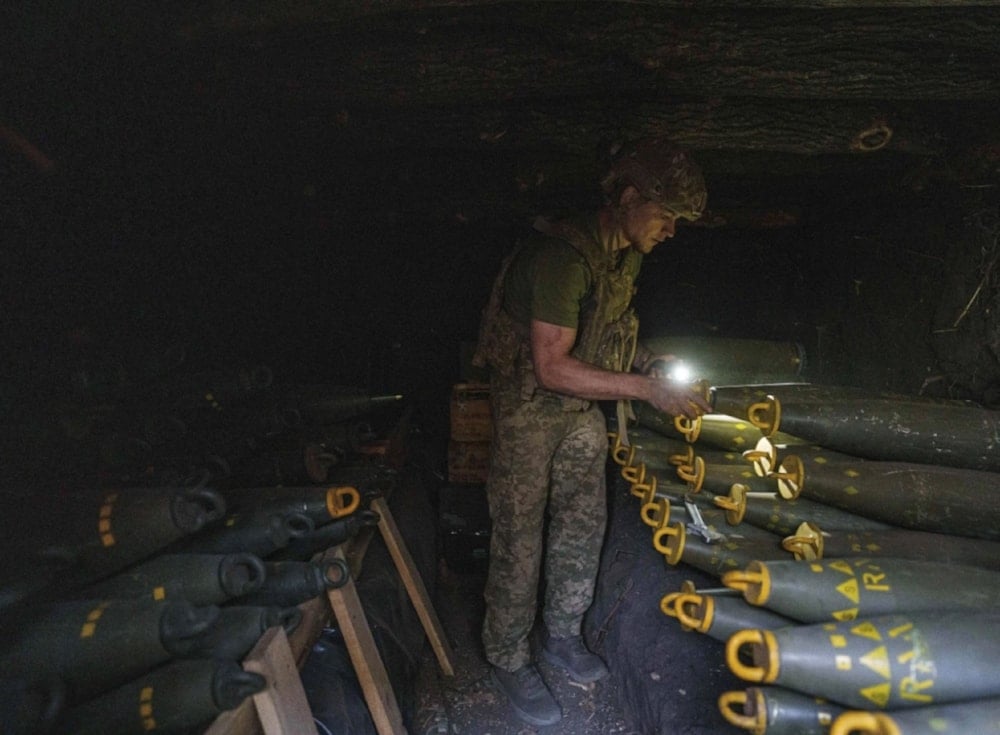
(606,334)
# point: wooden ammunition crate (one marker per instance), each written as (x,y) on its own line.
(470,412)
(468,462)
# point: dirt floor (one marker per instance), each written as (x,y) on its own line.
(664,680)
(465,704)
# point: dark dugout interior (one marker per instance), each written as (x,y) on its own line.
(370,269)
(211,180)
(328,191)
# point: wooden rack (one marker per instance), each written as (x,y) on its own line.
(282,709)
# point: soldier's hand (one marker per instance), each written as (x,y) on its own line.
(677,399)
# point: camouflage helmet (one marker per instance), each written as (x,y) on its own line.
(662,172)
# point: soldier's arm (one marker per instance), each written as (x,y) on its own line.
(557,370)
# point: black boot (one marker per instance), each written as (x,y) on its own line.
(528,695)
(574,656)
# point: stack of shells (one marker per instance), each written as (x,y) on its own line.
(855,535)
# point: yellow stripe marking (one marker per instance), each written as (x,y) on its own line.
(850,613)
(104,520)
(867,630)
(896,632)
(879,694)
(878,661)
(146,708)
(159,593)
(842,566)
(849,589)
(90,627)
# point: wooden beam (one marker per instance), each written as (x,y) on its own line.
(282,707)
(365,658)
(272,14)
(584,127)
(493,55)
(478,52)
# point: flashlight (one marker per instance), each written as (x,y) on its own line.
(679,372)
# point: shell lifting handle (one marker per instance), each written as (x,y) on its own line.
(669,541)
(620,453)
(694,611)
(656,513)
(764,648)
(807,543)
(635,474)
(754,582)
(857,722)
(645,491)
(731,702)
(766,415)
(342,501)
(735,504)
(694,475)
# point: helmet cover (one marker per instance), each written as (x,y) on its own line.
(662,172)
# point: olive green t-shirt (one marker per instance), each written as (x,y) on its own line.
(548,280)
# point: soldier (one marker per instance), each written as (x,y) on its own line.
(558,335)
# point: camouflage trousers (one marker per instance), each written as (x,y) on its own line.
(544,459)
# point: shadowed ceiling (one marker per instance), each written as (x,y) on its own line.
(785,103)
(272,171)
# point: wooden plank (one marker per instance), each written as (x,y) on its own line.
(356,549)
(240,721)
(315,616)
(414,586)
(282,707)
(243,720)
(364,655)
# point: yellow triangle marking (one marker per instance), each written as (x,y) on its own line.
(849,614)
(878,661)
(739,441)
(842,566)
(867,630)
(851,490)
(740,426)
(849,589)
(820,460)
(851,473)
(873,547)
(879,694)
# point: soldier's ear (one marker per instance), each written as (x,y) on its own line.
(630,197)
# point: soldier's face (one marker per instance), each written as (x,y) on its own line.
(646,225)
